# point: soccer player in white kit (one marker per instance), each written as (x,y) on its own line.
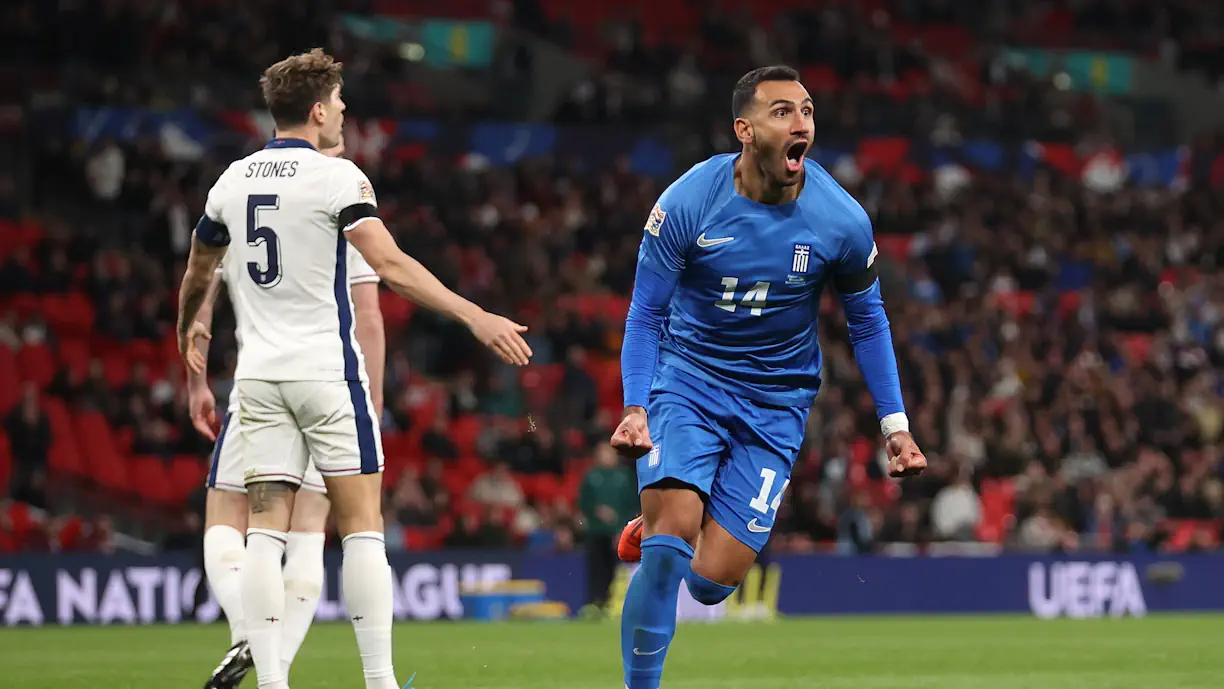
(225,512)
(287,214)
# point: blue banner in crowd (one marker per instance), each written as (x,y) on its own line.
(84,589)
(647,152)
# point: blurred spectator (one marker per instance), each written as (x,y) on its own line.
(956,510)
(477,530)
(29,434)
(496,488)
(105,171)
(409,504)
(856,530)
(608,500)
(436,441)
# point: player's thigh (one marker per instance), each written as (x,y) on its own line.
(343,438)
(310,509)
(748,490)
(675,477)
(225,471)
(273,454)
(225,507)
(313,480)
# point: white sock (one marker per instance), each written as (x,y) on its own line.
(303,586)
(366,580)
(224,551)
(263,599)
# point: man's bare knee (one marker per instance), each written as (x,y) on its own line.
(673,510)
(225,508)
(357,502)
(270,504)
(310,511)
(721,557)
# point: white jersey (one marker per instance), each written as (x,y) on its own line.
(359,272)
(284,212)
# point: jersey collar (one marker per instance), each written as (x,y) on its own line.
(289,143)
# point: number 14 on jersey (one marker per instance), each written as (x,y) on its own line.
(753,299)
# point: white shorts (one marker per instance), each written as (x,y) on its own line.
(225,472)
(283,426)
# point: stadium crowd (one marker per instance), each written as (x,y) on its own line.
(1058,346)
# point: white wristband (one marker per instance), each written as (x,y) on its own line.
(894,422)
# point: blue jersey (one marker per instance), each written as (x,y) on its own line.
(745,282)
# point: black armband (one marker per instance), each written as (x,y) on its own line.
(356,213)
(856,282)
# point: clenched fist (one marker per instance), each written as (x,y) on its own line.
(904,457)
(632,436)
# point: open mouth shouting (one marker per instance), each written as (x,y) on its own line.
(794,155)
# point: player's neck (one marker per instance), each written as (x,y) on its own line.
(753,183)
(303,133)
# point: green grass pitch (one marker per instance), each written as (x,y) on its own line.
(1164,652)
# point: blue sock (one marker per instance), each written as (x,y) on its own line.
(705,591)
(648,620)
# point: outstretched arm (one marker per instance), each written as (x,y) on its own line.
(413,281)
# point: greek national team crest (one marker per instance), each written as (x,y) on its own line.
(799,263)
(655,221)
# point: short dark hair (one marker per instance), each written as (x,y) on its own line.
(745,88)
(292,86)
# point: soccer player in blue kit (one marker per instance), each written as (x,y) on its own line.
(720,362)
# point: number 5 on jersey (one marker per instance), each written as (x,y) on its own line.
(256,234)
(754,299)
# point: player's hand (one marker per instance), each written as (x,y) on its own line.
(502,335)
(192,356)
(904,457)
(203,408)
(632,436)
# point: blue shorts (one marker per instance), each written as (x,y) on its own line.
(739,453)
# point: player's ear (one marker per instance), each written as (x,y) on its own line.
(318,113)
(743,130)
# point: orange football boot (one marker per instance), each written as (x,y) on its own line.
(629,548)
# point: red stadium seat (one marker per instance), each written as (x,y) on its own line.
(117,367)
(36,364)
(71,534)
(464,432)
(186,474)
(10,384)
(540,382)
(75,356)
(998,509)
(151,479)
(69,315)
(63,457)
(606,374)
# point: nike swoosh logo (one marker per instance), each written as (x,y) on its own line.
(640,653)
(707,243)
(754,527)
